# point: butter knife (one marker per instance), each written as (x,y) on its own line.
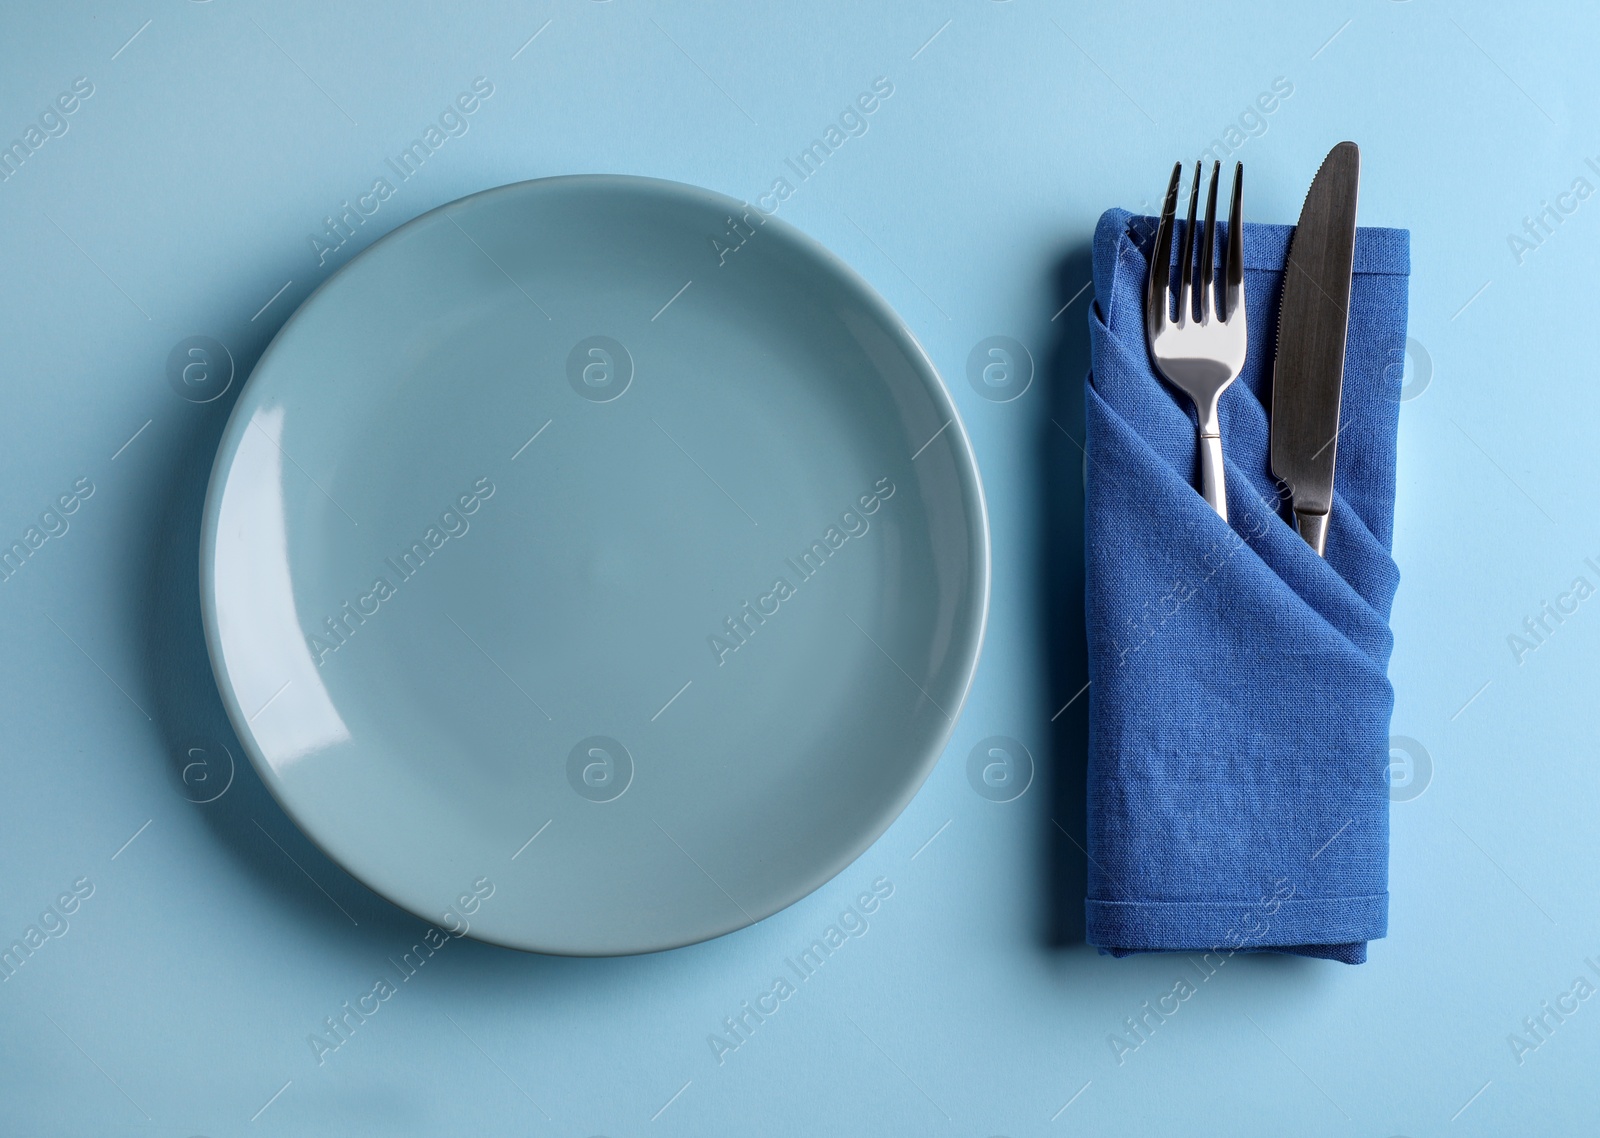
(1308,372)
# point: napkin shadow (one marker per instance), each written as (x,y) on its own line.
(1060,578)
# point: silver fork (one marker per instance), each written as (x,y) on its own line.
(1200,354)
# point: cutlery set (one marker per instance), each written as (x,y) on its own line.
(1201,348)
(1206,776)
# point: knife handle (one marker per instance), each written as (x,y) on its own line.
(1314,528)
(1213,484)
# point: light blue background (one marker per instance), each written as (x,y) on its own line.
(185,195)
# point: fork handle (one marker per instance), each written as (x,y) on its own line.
(1213,483)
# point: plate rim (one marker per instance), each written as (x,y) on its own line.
(969,477)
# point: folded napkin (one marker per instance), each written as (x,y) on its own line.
(1238,795)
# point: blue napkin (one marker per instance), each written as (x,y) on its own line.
(1238,795)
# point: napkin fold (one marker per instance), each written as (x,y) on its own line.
(1238,795)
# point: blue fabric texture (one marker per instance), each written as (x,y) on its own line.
(1238,795)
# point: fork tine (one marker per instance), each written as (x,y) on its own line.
(1233,267)
(1186,255)
(1208,239)
(1156,297)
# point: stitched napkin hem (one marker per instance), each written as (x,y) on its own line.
(1203,926)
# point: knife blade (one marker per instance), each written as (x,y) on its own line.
(1308,371)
